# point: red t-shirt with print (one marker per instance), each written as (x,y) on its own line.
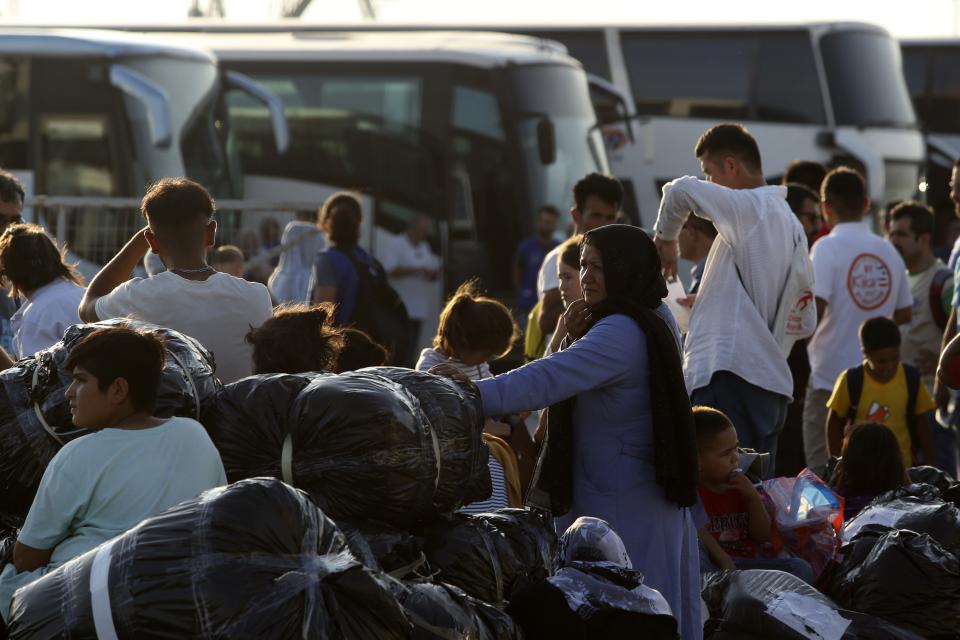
(728,521)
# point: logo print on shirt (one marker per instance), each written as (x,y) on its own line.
(878,413)
(869,281)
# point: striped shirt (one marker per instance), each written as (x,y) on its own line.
(497,499)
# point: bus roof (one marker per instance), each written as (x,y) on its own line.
(483,49)
(38,42)
(930,42)
(215,25)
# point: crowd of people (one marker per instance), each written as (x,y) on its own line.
(811,340)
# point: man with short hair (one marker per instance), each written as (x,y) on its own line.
(808,173)
(190,296)
(530,255)
(931,284)
(805,204)
(732,362)
(858,275)
(597,199)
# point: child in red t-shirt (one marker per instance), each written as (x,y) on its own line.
(736,521)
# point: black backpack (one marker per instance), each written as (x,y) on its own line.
(378,309)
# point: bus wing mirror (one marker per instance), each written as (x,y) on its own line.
(154,99)
(278,117)
(546,140)
(602,93)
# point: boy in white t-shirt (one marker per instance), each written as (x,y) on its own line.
(133,466)
(190,296)
(858,275)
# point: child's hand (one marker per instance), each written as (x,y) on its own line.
(742,484)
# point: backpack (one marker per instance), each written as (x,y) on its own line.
(378,309)
(796,317)
(855,389)
(937,285)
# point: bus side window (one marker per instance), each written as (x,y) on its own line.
(14,109)
(690,75)
(787,90)
(76,155)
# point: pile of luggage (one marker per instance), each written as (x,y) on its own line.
(341,521)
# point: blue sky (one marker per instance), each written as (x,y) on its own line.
(903,19)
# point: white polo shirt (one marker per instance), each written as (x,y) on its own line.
(730,324)
(860,276)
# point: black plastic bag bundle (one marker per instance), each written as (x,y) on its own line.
(35,418)
(444,612)
(254,559)
(397,553)
(905,577)
(916,507)
(773,605)
(486,554)
(454,413)
(592,599)
(359,443)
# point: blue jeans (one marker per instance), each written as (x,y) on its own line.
(757,414)
(795,566)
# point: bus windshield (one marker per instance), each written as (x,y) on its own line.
(865,80)
(193,87)
(560,94)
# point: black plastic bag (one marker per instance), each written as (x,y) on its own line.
(486,554)
(774,605)
(35,418)
(595,592)
(255,559)
(909,579)
(397,553)
(362,445)
(916,507)
(444,612)
(949,488)
(592,600)
(454,413)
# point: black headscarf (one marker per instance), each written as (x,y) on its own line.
(635,288)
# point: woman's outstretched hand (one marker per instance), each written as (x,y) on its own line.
(449,371)
(577,318)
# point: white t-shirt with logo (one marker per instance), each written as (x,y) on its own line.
(860,276)
(218,312)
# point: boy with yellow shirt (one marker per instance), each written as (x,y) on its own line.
(883,390)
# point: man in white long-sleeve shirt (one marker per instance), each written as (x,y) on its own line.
(732,362)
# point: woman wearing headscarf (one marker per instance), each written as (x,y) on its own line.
(620,440)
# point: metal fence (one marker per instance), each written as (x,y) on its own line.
(94,229)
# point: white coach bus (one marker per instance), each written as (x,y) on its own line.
(99,115)
(476,130)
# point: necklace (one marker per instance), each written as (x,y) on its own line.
(203,270)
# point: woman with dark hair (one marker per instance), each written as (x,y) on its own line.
(50,288)
(349,276)
(620,443)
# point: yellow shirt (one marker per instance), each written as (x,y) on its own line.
(884,403)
